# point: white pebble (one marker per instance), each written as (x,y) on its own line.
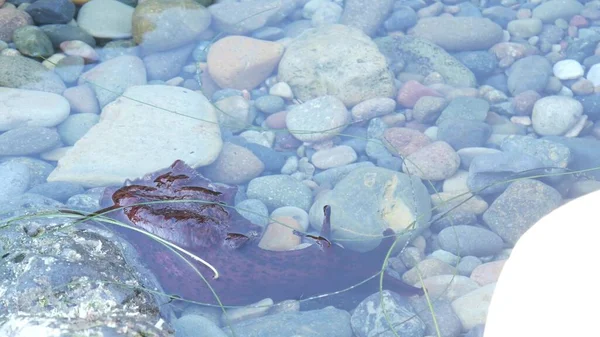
(567,70)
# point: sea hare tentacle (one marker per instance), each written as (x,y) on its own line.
(246,272)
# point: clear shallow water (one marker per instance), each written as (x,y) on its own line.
(403,115)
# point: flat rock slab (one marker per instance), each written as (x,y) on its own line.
(132,138)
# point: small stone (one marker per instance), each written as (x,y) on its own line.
(467,264)
(280,190)
(472,308)
(282,90)
(369,317)
(241,62)
(51,11)
(107,19)
(449,286)
(58,190)
(458,202)
(470,240)
(459,33)
(404,141)
(411,92)
(583,87)
(10,20)
(296,213)
(523,103)
(519,207)
(277,120)
(488,272)
(32,41)
(279,234)
(269,104)
(76,126)
(334,157)
(567,70)
(82,99)
(235,165)
(436,161)
(318,119)
(373,107)
(31,108)
(525,28)
(555,115)
(28,140)
(254,310)
(69,68)
(428,108)
(14,179)
(254,211)
(81,49)
(427,268)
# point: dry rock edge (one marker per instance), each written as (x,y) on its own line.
(132,139)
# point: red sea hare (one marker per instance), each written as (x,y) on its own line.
(223,238)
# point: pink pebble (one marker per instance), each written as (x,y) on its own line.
(579,21)
(277,120)
(411,91)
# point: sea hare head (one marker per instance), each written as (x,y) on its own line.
(201,222)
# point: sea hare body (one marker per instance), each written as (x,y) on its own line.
(220,236)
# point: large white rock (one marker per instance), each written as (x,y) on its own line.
(20,107)
(549,285)
(134,138)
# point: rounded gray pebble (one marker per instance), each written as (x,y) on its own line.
(467,264)
(254,211)
(470,240)
(32,41)
(196,326)
(14,179)
(57,190)
(28,140)
(269,104)
(280,190)
(75,126)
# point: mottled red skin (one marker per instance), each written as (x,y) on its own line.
(247,272)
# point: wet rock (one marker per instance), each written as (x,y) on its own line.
(155,146)
(28,140)
(366,16)
(529,73)
(366,74)
(107,78)
(470,240)
(318,119)
(459,33)
(10,20)
(31,41)
(488,172)
(106,19)
(369,319)
(32,108)
(51,11)
(242,62)
(14,179)
(280,190)
(521,205)
(423,57)
(38,274)
(240,18)
(59,33)
(24,73)
(326,322)
(384,203)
